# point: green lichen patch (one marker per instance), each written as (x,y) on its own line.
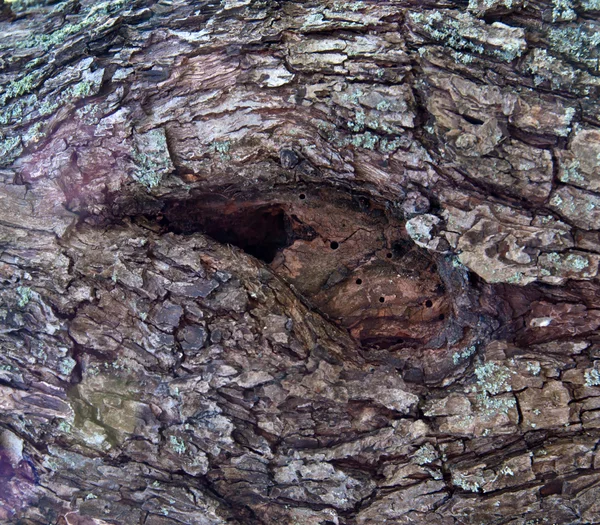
(388,110)
(22,86)
(572,265)
(10,149)
(590,5)
(581,208)
(222,147)
(152,158)
(463,32)
(592,377)
(462,355)
(25,295)
(177,444)
(471,482)
(483,6)
(563,10)
(580,164)
(570,173)
(578,42)
(90,20)
(66,366)
(548,68)
(494,379)
(426,454)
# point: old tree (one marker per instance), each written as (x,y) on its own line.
(320,262)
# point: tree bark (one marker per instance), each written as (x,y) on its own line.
(319,263)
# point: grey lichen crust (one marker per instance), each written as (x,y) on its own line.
(151,158)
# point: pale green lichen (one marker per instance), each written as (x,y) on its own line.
(547,67)
(46,41)
(426,454)
(80,90)
(152,158)
(18,110)
(353,96)
(177,444)
(365,140)
(463,32)
(358,124)
(10,149)
(577,262)
(25,295)
(469,482)
(23,86)
(464,58)
(533,367)
(222,148)
(517,278)
(383,105)
(349,6)
(389,146)
(560,263)
(590,5)
(34,134)
(461,355)
(66,366)
(47,107)
(115,365)
(90,114)
(556,200)
(64,426)
(483,5)
(562,10)
(457,264)
(592,377)
(493,379)
(570,173)
(579,42)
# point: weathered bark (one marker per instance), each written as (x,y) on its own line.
(268,262)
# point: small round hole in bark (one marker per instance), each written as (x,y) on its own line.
(428,303)
(388,255)
(359,281)
(334,245)
(442,317)
(382,299)
(302,196)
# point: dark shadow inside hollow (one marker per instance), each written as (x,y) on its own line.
(260,231)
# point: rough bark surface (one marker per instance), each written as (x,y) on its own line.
(322,262)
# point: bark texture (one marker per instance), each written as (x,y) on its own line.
(322,262)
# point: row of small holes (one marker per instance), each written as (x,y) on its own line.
(428,303)
(334,245)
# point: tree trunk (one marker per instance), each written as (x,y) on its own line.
(325,262)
